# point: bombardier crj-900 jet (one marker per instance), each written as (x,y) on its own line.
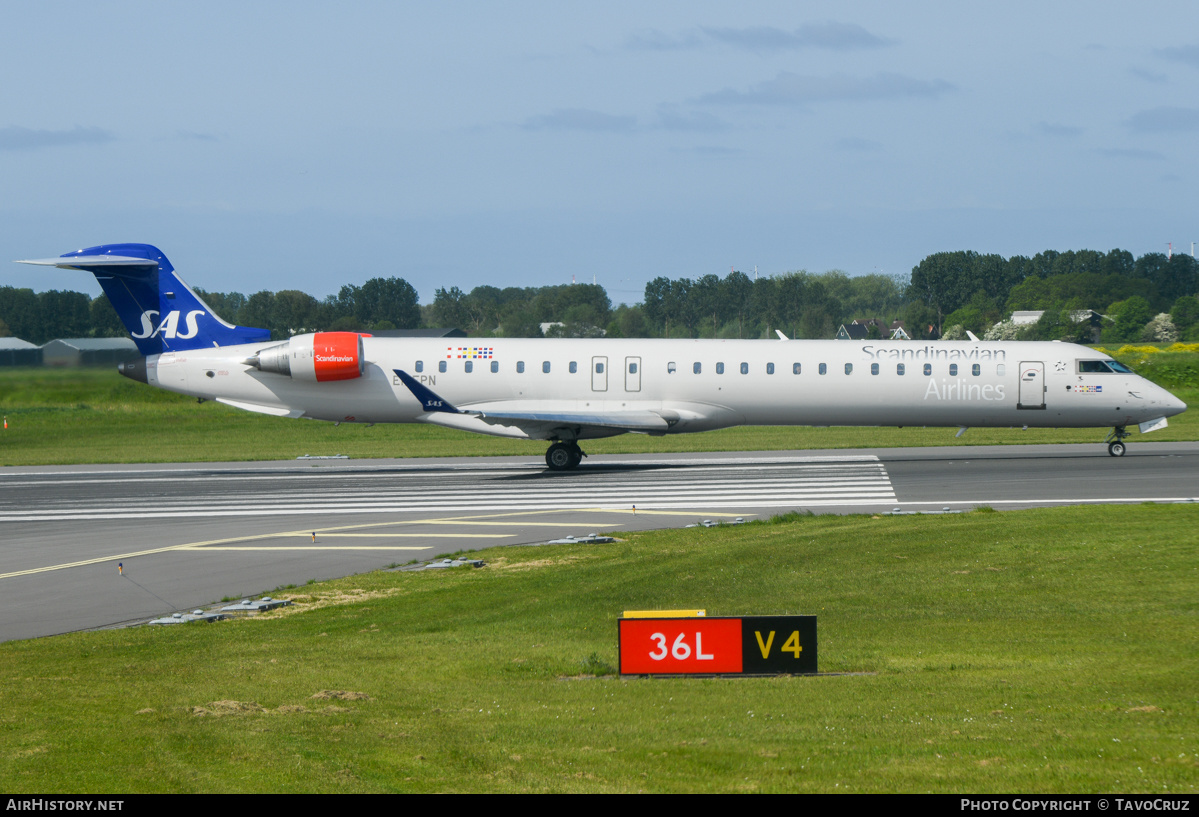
(566,391)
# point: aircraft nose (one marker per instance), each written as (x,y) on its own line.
(1171,405)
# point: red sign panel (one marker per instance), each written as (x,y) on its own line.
(679,645)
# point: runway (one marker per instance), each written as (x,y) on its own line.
(188,535)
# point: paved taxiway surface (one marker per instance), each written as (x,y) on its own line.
(188,535)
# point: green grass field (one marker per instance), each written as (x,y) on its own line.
(63,416)
(1032,651)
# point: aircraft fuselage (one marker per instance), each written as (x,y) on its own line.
(697,385)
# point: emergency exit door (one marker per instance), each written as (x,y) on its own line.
(599,374)
(632,374)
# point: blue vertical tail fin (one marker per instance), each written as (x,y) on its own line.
(161,312)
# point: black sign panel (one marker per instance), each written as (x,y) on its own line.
(778,644)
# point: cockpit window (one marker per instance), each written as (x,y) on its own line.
(1101,366)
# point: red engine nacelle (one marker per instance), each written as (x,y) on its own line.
(316,357)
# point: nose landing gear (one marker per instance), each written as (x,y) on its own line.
(564,456)
(1115,444)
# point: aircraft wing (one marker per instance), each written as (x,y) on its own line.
(536,424)
(644,421)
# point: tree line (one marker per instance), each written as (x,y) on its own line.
(947,294)
(970,291)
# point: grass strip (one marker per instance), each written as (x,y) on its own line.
(1049,650)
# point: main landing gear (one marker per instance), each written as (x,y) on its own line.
(564,456)
(1116,445)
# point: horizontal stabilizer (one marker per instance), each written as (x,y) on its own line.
(90,262)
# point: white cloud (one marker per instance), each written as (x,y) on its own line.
(1054,129)
(1188,54)
(1165,119)
(796,89)
(828,35)
(582,119)
(15,137)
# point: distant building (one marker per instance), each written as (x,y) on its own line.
(1089,316)
(88,351)
(862,328)
(17,352)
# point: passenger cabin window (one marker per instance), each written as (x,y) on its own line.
(470,366)
(441,366)
(719,368)
(796,368)
(574,367)
(744,368)
(520,367)
(545,366)
(976,369)
(670,367)
(420,366)
(928,369)
(999,369)
(849,368)
(874,368)
(953,370)
(696,367)
(495,366)
(769,368)
(900,369)
(823,369)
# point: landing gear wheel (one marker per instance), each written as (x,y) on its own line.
(563,456)
(1115,445)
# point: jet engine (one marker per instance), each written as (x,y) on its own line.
(313,357)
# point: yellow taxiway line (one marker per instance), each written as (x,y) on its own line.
(477,519)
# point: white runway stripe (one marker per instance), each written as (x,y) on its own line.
(789,483)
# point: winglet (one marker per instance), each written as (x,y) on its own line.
(781,335)
(973,337)
(427,397)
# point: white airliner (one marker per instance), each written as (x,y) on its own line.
(565,391)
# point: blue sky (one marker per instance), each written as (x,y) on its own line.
(306,145)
